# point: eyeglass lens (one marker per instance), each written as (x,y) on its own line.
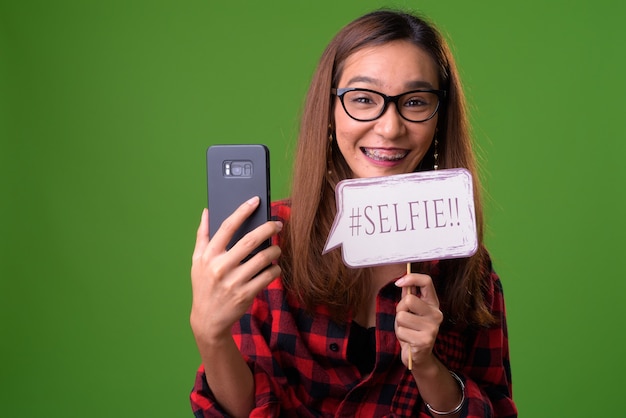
(366,105)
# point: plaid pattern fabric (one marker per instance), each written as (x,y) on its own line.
(300,365)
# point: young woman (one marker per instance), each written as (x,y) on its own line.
(309,336)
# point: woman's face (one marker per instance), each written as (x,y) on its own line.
(390,144)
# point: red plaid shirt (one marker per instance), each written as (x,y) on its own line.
(301,368)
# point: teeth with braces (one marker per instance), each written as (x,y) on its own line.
(378,155)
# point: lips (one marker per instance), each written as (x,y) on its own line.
(380,154)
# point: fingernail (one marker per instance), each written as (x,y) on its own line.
(279,224)
(400,281)
(253,201)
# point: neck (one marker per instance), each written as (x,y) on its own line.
(382,275)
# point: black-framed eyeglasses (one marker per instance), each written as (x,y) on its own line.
(365,105)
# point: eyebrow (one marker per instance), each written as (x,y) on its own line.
(419,84)
(415,84)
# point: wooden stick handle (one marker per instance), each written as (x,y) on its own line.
(408,271)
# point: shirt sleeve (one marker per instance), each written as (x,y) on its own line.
(204,404)
(487,373)
(251,342)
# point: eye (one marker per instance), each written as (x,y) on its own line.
(416,100)
(362,98)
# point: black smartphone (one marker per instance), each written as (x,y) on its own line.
(236,173)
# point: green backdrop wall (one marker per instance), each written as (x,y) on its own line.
(106,109)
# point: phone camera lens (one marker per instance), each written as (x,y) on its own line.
(236,170)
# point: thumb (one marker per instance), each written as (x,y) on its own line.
(202,235)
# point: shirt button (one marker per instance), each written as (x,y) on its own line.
(334,347)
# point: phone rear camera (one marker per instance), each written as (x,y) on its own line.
(237,170)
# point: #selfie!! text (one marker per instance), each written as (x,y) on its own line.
(408,216)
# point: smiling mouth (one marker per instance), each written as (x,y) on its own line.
(384,155)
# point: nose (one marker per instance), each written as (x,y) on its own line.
(390,124)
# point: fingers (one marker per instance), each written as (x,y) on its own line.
(421,310)
(229,226)
(224,287)
(253,239)
(426,320)
(260,261)
(246,245)
(211,258)
(418,317)
(262,279)
(424,284)
(417,332)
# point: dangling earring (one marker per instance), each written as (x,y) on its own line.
(436,155)
(330,150)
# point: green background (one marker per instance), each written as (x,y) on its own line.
(107,107)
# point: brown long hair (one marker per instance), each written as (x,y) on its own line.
(324,280)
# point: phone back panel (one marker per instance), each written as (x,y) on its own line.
(236,173)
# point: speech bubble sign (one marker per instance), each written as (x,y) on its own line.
(404,218)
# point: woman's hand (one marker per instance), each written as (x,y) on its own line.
(222,287)
(417,320)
